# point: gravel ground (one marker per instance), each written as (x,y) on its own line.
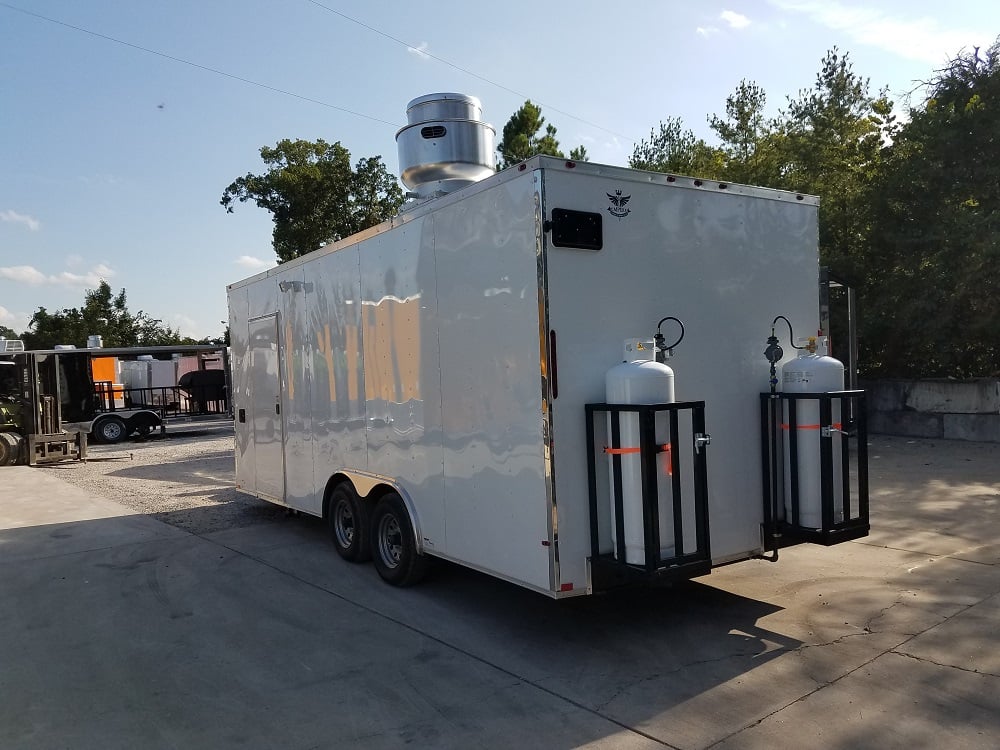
(184,478)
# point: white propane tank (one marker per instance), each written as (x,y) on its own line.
(639,379)
(813,371)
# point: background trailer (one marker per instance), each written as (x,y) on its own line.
(430,385)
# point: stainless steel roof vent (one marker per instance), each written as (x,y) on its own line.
(445,146)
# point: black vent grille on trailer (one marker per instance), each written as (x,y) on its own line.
(433,131)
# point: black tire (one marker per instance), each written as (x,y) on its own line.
(10,448)
(350,524)
(394,548)
(110,430)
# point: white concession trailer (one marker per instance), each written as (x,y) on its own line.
(438,385)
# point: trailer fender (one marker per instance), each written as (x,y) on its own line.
(371,487)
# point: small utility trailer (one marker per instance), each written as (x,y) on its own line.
(51,400)
(438,386)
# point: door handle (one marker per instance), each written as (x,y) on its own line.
(277,408)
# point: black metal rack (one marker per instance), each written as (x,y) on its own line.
(168,401)
(608,569)
(780,430)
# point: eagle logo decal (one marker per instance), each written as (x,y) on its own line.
(618,204)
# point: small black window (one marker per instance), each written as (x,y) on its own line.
(580,229)
(433,131)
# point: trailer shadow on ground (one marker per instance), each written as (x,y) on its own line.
(888,639)
(630,652)
(874,643)
(689,664)
(166,623)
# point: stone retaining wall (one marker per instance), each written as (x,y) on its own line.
(949,409)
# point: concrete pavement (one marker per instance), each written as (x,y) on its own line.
(118,630)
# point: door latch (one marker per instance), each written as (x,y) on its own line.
(701,440)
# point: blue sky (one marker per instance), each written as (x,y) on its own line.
(113,158)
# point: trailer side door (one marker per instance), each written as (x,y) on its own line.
(265,408)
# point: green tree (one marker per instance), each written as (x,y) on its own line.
(832,141)
(7,333)
(314,196)
(222,340)
(748,147)
(675,149)
(526,134)
(523,136)
(104,314)
(934,282)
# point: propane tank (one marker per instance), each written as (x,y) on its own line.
(812,371)
(638,380)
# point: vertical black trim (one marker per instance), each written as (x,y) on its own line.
(553,365)
(650,494)
(768,470)
(595,542)
(861,422)
(701,485)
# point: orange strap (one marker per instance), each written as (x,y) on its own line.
(665,449)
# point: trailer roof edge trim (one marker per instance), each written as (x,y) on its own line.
(681,182)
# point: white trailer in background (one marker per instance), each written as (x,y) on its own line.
(435,386)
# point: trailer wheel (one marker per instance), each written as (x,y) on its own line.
(110,430)
(394,548)
(143,425)
(10,448)
(350,524)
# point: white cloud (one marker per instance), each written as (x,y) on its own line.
(15,321)
(13,217)
(923,39)
(420,50)
(196,329)
(182,323)
(254,264)
(734,20)
(707,31)
(33,277)
(23,274)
